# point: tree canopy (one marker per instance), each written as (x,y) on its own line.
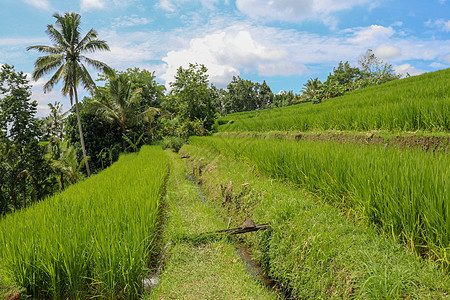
(192,96)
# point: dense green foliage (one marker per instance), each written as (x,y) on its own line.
(99,134)
(24,171)
(192,97)
(406,193)
(151,92)
(312,250)
(284,98)
(123,106)
(371,71)
(245,95)
(92,239)
(415,103)
(54,124)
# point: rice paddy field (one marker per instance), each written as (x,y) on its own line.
(314,249)
(415,103)
(406,193)
(92,240)
(402,189)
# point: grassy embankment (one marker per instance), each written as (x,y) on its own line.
(200,266)
(93,239)
(313,250)
(411,104)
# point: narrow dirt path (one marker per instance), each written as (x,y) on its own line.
(206,267)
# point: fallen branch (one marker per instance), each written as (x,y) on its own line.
(239,230)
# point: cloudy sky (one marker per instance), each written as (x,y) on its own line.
(284,42)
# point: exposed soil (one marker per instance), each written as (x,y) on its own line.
(424,143)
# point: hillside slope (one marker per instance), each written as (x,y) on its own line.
(415,103)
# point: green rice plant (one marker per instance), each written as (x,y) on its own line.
(92,239)
(415,103)
(405,193)
(313,250)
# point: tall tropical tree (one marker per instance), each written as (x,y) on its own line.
(67,58)
(121,104)
(56,119)
(312,90)
(193,97)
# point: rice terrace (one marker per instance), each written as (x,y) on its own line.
(200,189)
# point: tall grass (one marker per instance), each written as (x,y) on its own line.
(92,239)
(416,103)
(406,193)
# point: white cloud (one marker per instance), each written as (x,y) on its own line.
(132,48)
(92,4)
(387,52)
(297,10)
(437,65)
(166,5)
(174,5)
(330,6)
(372,34)
(284,68)
(228,52)
(41,4)
(283,10)
(441,24)
(129,21)
(229,46)
(445,58)
(38,83)
(12,42)
(407,68)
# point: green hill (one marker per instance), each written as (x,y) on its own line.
(415,103)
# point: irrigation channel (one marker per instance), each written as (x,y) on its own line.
(252,266)
(255,271)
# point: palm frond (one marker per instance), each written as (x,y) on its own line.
(96,64)
(46,49)
(47,64)
(69,25)
(135,96)
(107,110)
(91,35)
(85,78)
(55,78)
(64,56)
(148,114)
(95,45)
(56,37)
(69,85)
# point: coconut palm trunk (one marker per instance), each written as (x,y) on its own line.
(80,130)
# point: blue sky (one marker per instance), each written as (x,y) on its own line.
(284,42)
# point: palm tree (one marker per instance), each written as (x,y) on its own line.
(67,166)
(56,119)
(123,106)
(66,56)
(312,89)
